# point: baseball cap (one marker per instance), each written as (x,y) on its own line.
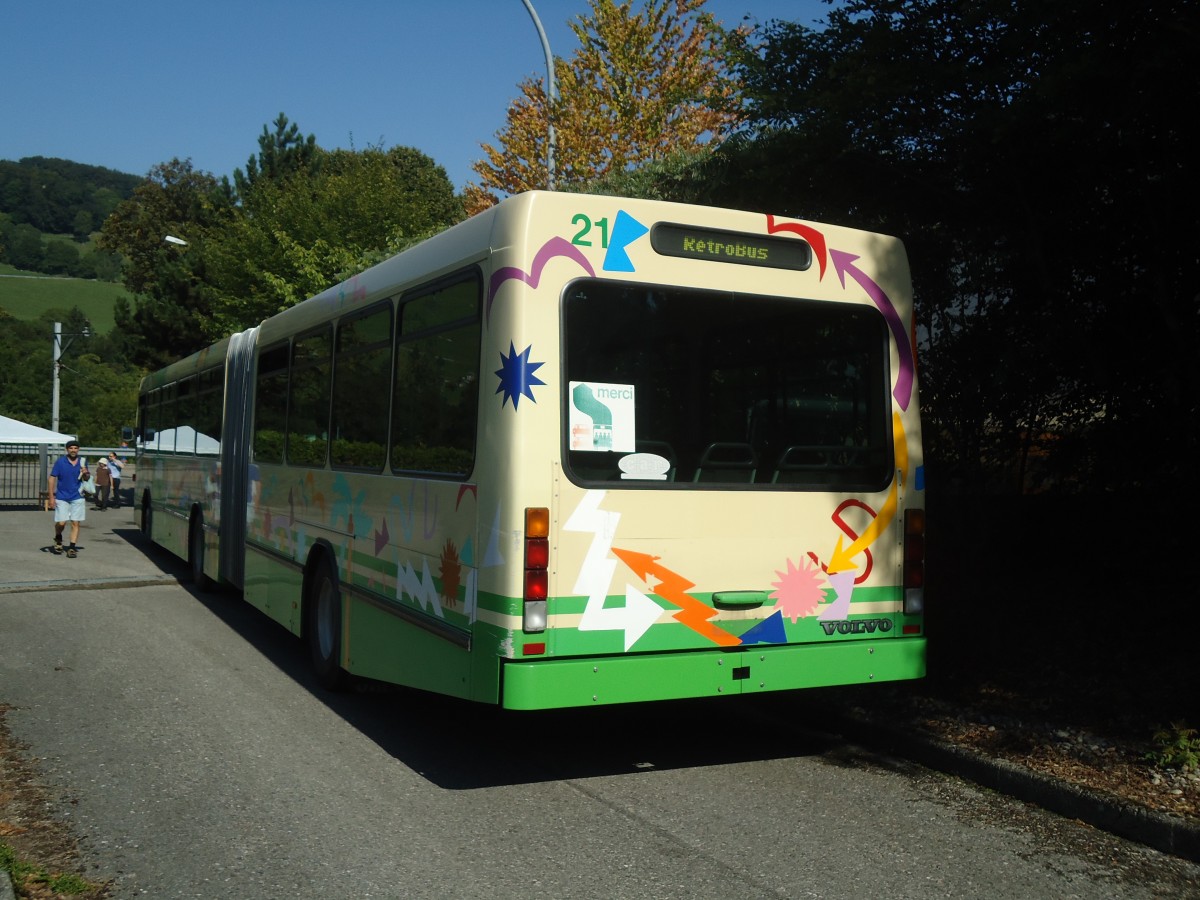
(72,443)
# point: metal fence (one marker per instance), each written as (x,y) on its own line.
(24,469)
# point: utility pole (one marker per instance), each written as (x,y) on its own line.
(57,356)
(59,349)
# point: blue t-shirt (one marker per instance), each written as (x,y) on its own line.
(67,486)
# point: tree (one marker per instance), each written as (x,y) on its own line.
(640,87)
(295,236)
(280,155)
(61,258)
(24,247)
(1014,146)
(98,387)
(49,194)
(173,310)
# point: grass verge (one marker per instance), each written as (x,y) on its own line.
(32,881)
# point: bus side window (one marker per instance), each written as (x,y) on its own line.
(360,390)
(435,401)
(308,399)
(270,404)
(185,416)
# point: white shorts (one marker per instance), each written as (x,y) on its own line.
(70,510)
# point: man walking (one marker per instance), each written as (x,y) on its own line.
(64,494)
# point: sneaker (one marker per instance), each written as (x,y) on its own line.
(71,554)
(56,549)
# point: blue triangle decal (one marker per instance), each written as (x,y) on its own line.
(768,631)
(626,230)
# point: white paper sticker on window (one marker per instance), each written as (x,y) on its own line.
(602,417)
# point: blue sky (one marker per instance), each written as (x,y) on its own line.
(129,85)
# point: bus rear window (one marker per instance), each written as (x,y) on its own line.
(675,387)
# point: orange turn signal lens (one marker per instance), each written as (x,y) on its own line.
(537,522)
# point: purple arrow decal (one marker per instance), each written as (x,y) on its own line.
(556,246)
(381,538)
(843,263)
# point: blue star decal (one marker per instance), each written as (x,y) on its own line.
(516,375)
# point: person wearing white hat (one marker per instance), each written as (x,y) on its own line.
(103,485)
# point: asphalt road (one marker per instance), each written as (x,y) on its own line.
(196,757)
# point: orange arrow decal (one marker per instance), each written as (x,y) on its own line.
(673,588)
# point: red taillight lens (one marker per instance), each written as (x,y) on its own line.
(537,565)
(914,548)
(537,553)
(535,584)
(914,562)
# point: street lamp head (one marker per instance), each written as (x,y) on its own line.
(171,239)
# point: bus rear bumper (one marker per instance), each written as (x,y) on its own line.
(593,681)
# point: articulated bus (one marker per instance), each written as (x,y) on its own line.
(575,450)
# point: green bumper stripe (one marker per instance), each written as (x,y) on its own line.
(553,683)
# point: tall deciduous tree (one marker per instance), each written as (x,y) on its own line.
(296,236)
(1041,177)
(641,86)
(173,309)
(98,387)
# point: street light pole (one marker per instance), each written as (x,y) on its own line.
(551,93)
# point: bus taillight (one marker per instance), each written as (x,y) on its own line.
(537,565)
(914,562)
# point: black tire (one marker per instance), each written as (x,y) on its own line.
(147,516)
(323,611)
(196,553)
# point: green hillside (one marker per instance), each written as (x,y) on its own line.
(26,295)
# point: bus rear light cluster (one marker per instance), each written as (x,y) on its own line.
(537,565)
(914,562)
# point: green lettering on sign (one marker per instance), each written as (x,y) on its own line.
(715,245)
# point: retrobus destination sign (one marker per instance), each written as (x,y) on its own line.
(716,245)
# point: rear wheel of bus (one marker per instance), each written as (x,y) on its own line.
(147,514)
(323,612)
(196,552)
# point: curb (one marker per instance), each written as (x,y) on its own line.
(27,587)
(7,891)
(1168,834)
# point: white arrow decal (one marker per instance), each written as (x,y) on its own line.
(595,576)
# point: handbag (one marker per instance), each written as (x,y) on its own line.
(87,486)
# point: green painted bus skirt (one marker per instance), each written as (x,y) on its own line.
(555,683)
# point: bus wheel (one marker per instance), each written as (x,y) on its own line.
(147,513)
(196,553)
(324,627)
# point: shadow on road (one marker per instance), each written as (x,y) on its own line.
(441,738)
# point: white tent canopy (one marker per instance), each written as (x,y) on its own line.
(15,432)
